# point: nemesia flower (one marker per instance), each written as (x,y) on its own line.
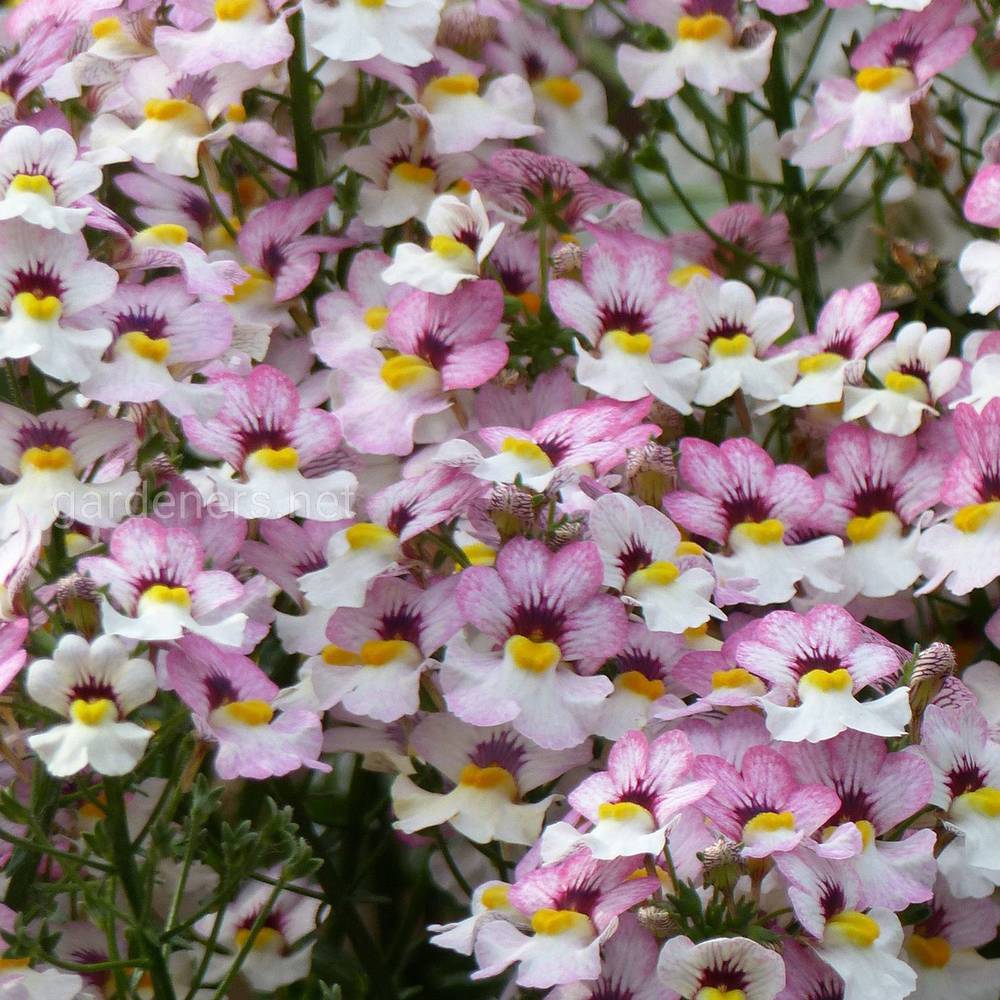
(52,458)
(628,311)
(95,686)
(461,239)
(155,574)
(629,807)
(747,502)
(572,907)
(743,224)
(42,179)
(540,610)
(490,901)
(645,559)
(13,655)
(492,769)
(721,966)
(232,701)
(916,373)
(268,438)
(820,660)
(46,280)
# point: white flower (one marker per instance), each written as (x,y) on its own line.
(95,686)
(354,557)
(980,267)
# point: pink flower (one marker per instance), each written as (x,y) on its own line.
(232,701)
(13,655)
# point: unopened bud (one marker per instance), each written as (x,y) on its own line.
(77,597)
(568,531)
(667,419)
(657,920)
(934,662)
(723,864)
(650,473)
(506,498)
(465,30)
(77,586)
(567,258)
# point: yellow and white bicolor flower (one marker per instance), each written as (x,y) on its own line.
(864,949)
(355,556)
(94,686)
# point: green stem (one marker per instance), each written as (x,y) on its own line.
(737,184)
(300,86)
(128,873)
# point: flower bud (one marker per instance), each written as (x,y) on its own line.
(657,920)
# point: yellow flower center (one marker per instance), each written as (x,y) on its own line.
(44,308)
(252,712)
(454,86)
(233,10)
(337,656)
(405,371)
(638,683)
(14,963)
(106,27)
(375,317)
(906,385)
(268,939)
(548,921)
(526,450)
(34,184)
(984,801)
(496,897)
(414,173)
(174,109)
(876,78)
(630,343)
(768,822)
(534,657)
(704,28)
(258,283)
(971,518)
(171,233)
(932,952)
(277,459)
(562,90)
(853,928)
(46,459)
(819,363)
(737,677)
(680,277)
(486,779)
(622,812)
(657,574)
(369,536)
(379,652)
(92,711)
(828,680)
(769,532)
(449,248)
(732,347)
(161,593)
(146,347)
(372,4)
(479,554)
(867,529)
(867,832)
(690,549)
(711,993)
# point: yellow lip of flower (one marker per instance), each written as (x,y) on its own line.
(623,812)
(561,89)
(531,301)
(984,801)
(43,308)
(867,832)
(375,317)
(876,78)
(479,554)
(932,952)
(372,4)
(533,657)
(657,574)
(828,680)
(380,652)
(704,28)
(252,712)
(34,184)
(405,371)
(630,343)
(736,678)
(46,459)
(449,248)
(336,656)
(737,346)
(178,111)
(824,362)
(413,173)
(488,779)
(366,535)
(689,549)
(268,939)
(235,10)
(768,532)
(147,347)
(681,277)
(525,450)
(712,993)
(92,711)
(639,683)
(550,922)
(854,928)
(276,459)
(867,529)
(457,85)
(161,593)
(171,233)
(974,516)
(258,283)
(907,385)
(105,27)
(496,897)
(14,963)
(768,822)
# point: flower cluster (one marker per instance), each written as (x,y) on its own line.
(498,491)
